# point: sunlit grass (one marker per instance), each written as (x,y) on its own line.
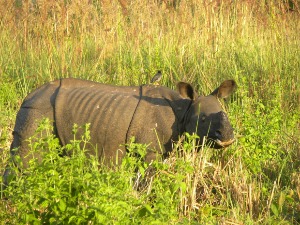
(201,42)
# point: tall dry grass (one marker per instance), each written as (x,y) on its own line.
(202,42)
(197,41)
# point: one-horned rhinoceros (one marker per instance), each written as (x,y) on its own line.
(154,115)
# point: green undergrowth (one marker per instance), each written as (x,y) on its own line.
(190,186)
(254,181)
(77,190)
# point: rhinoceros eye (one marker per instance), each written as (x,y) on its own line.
(203,118)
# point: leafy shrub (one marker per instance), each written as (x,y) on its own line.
(76,189)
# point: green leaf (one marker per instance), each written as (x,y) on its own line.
(72,219)
(183,186)
(88,176)
(52,220)
(44,204)
(149,209)
(62,205)
(30,218)
(281,200)
(146,209)
(274,209)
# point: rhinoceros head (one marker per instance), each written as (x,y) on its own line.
(206,117)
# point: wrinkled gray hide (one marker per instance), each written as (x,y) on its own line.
(152,114)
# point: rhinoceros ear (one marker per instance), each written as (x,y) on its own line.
(225,89)
(186,90)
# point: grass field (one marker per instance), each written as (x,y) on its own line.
(254,181)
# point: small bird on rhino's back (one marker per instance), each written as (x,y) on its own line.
(157,77)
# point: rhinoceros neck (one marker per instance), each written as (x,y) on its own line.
(181,110)
(180,106)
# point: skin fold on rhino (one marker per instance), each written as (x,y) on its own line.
(154,115)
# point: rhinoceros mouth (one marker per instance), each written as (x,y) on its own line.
(224,144)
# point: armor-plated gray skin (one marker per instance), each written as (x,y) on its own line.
(154,115)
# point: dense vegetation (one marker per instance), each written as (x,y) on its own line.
(256,180)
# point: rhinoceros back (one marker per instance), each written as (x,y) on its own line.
(108,109)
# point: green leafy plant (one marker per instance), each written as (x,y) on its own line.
(255,180)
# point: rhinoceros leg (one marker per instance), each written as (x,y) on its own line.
(27,122)
(37,105)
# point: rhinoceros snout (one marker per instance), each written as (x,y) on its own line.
(223,134)
(224,137)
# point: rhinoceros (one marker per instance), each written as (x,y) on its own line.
(154,115)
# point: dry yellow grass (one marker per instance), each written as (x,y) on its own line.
(202,42)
